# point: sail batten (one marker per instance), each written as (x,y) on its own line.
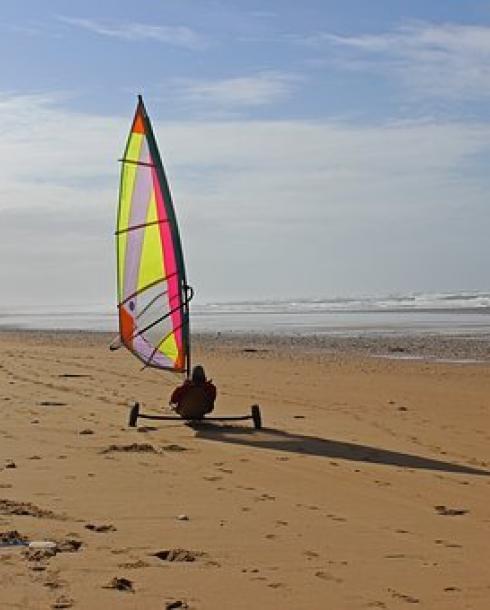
(141,226)
(152,288)
(137,162)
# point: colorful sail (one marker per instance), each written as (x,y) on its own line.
(153,295)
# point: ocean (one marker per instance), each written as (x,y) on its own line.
(457,313)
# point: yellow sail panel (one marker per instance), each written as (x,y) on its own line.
(169,348)
(128,179)
(151,268)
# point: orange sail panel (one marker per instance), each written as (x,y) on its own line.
(152,291)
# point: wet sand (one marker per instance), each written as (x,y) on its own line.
(368,487)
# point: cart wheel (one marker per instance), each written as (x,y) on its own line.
(257,418)
(133,415)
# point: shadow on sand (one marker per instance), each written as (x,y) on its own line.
(269,438)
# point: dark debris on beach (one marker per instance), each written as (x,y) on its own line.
(427,346)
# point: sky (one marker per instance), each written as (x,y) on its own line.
(313,149)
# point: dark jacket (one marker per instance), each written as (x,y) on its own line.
(194,400)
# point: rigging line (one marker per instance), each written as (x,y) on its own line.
(161,318)
(158,320)
(136,162)
(115,344)
(142,226)
(154,299)
(189,296)
(147,287)
(155,350)
(155,366)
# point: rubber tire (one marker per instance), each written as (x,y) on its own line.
(256,416)
(134,414)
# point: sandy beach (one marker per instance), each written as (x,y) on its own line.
(368,486)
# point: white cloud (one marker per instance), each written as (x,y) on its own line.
(259,203)
(180,36)
(255,90)
(26,29)
(429,59)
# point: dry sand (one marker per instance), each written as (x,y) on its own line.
(368,487)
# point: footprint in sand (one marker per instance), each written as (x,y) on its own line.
(178,555)
(451,512)
(336,518)
(175,605)
(133,448)
(310,555)
(449,545)
(63,602)
(100,528)
(12,538)
(264,497)
(52,580)
(406,598)
(12,507)
(120,584)
(276,585)
(327,576)
(134,565)
(175,448)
